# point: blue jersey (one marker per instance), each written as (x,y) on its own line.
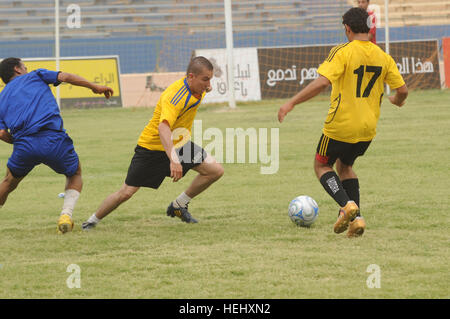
(28,106)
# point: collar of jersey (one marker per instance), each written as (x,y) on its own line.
(187,85)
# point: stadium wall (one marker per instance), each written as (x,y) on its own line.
(170,53)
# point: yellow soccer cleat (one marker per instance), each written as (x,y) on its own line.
(356,227)
(346,214)
(65,224)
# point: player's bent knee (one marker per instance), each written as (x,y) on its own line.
(126,192)
(217,172)
(7,179)
(11,181)
(220,171)
(317,165)
(320,168)
(124,195)
(78,171)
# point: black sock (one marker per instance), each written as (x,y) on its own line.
(351,187)
(332,184)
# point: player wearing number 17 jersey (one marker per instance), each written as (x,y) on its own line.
(357,71)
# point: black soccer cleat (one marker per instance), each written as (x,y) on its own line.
(182,213)
(86,226)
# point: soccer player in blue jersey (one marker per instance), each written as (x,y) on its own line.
(31,121)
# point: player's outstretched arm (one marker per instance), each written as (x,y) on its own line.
(6,136)
(400,96)
(80,81)
(310,91)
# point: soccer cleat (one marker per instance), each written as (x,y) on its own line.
(182,213)
(65,224)
(346,214)
(356,227)
(88,226)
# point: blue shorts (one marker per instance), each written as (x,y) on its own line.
(52,148)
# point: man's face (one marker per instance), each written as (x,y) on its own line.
(200,83)
(363,4)
(21,69)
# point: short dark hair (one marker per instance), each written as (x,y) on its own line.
(197,64)
(7,68)
(357,19)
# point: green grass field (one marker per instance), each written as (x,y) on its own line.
(244,245)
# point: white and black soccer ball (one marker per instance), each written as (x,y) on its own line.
(303,211)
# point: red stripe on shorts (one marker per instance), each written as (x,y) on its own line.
(322,159)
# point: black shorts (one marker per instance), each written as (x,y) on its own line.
(149,168)
(329,150)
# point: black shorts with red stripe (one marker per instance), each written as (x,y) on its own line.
(329,150)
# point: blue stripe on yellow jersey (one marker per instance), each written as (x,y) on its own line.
(178,106)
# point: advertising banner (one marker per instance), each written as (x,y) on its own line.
(418,63)
(246,74)
(283,72)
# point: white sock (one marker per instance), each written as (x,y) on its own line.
(93,219)
(70,199)
(182,200)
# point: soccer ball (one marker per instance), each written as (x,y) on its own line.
(303,211)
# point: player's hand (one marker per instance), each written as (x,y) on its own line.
(394,101)
(176,171)
(284,110)
(100,89)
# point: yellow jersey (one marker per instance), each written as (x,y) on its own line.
(357,71)
(178,106)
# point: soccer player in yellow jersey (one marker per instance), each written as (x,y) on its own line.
(357,71)
(164,149)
